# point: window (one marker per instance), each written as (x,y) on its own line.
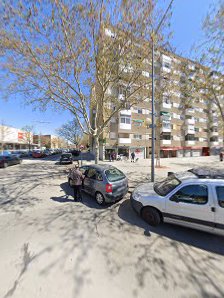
(167,64)
(196,129)
(114,174)
(139,111)
(165,136)
(166,186)
(166,100)
(214,139)
(189,137)
(138,137)
(92,174)
(99,176)
(220,195)
(126,120)
(191,194)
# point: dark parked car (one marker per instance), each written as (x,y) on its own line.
(75,152)
(106,183)
(9,160)
(66,158)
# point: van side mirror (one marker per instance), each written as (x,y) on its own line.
(175,198)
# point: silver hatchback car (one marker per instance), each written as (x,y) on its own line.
(105,182)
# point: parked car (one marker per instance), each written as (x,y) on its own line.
(66,158)
(193,199)
(9,160)
(106,183)
(75,152)
(37,154)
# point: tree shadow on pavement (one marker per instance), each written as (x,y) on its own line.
(87,200)
(199,239)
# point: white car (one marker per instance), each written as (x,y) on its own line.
(193,199)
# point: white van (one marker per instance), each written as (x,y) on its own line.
(193,199)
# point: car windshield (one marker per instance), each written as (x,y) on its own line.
(166,186)
(66,155)
(114,174)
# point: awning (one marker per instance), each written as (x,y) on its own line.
(137,120)
(163,113)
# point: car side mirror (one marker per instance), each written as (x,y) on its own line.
(175,198)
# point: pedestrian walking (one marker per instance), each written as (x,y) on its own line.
(113,156)
(77,178)
(221,156)
(133,157)
(110,157)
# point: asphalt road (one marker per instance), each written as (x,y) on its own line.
(53,247)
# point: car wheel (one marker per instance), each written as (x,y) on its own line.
(151,216)
(5,165)
(99,198)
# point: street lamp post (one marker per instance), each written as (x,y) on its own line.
(153,36)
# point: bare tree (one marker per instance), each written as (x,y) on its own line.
(70,54)
(71,132)
(211,54)
(28,135)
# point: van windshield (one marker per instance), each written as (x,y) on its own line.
(165,186)
(114,174)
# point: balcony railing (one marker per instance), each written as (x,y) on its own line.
(190,143)
(189,121)
(166,142)
(124,140)
(124,126)
(167,105)
(125,112)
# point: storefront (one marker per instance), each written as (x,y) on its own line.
(139,152)
(167,152)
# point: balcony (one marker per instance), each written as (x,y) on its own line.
(189,130)
(124,126)
(166,142)
(125,112)
(214,123)
(167,105)
(124,141)
(214,143)
(190,121)
(214,133)
(188,143)
(166,128)
(121,97)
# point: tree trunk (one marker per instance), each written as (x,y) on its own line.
(96,148)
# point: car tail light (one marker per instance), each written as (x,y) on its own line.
(108,188)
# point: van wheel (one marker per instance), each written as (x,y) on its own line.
(151,216)
(99,198)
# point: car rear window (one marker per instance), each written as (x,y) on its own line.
(114,174)
(66,155)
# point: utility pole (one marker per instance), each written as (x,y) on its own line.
(153,37)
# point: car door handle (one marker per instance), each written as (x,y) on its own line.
(213,209)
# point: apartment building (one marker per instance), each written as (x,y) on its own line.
(187,123)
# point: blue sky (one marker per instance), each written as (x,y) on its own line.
(186,27)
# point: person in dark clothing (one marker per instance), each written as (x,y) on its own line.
(77,178)
(221,156)
(133,157)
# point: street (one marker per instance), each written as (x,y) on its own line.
(53,247)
